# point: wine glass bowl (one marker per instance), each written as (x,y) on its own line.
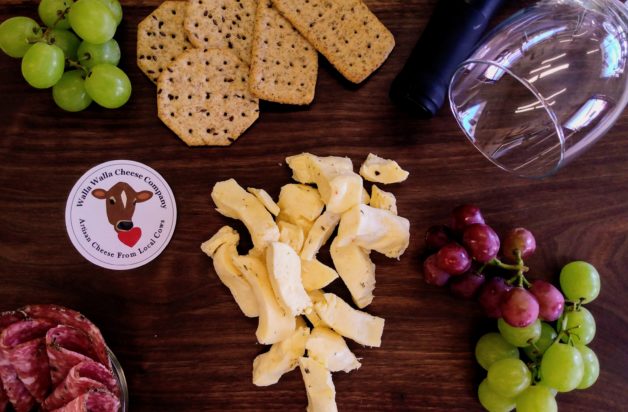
(545,84)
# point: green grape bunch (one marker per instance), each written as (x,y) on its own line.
(73,52)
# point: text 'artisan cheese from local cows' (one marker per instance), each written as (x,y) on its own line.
(281,278)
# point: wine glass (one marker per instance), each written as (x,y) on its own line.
(545,84)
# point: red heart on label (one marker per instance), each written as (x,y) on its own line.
(131,237)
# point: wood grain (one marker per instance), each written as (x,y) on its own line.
(181,340)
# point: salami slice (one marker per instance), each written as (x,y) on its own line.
(81,379)
(23,344)
(64,316)
(13,389)
(93,401)
(67,347)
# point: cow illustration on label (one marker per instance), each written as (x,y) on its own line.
(121,199)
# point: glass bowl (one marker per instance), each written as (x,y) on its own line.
(118,373)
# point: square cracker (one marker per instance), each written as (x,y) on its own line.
(161,38)
(346,32)
(203,96)
(284,65)
(222,24)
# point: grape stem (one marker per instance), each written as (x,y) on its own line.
(77,65)
(518,267)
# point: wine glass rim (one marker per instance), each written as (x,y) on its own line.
(552,115)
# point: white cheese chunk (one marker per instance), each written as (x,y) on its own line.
(374,229)
(222,249)
(329,348)
(265,199)
(316,296)
(282,357)
(291,235)
(300,205)
(379,170)
(320,232)
(356,325)
(284,269)
(275,324)
(321,393)
(356,270)
(316,275)
(381,199)
(305,165)
(235,202)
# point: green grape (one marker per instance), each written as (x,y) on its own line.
(548,335)
(51,10)
(92,21)
(591,367)
(520,337)
(17,35)
(69,93)
(109,86)
(580,282)
(491,348)
(580,324)
(115,8)
(536,398)
(562,367)
(89,55)
(509,377)
(66,41)
(492,401)
(42,65)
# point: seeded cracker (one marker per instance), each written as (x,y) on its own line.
(161,38)
(204,97)
(222,24)
(344,31)
(284,65)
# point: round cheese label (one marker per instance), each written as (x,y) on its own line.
(120,215)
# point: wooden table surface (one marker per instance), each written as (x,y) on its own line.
(182,341)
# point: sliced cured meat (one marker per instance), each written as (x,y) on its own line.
(67,346)
(93,401)
(24,345)
(64,316)
(81,379)
(13,389)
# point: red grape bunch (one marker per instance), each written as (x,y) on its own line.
(74,53)
(552,328)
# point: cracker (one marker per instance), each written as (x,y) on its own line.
(223,24)
(203,96)
(161,38)
(284,65)
(346,32)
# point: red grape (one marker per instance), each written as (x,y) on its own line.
(467,285)
(465,215)
(518,239)
(481,241)
(551,301)
(491,296)
(519,308)
(437,237)
(433,274)
(453,259)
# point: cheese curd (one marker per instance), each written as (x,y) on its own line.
(282,357)
(329,348)
(354,324)
(316,296)
(381,199)
(275,324)
(321,393)
(222,248)
(300,205)
(374,229)
(356,270)
(265,199)
(378,170)
(234,202)
(320,232)
(291,234)
(284,269)
(316,275)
